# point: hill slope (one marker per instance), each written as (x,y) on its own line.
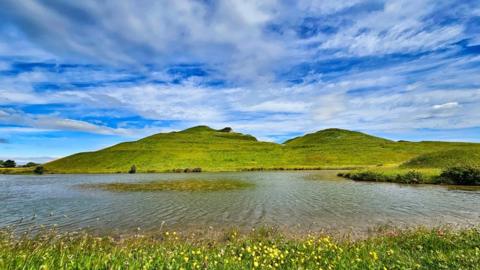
(224,150)
(444,159)
(200,146)
(334,147)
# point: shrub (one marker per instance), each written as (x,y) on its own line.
(411,177)
(39,170)
(461,175)
(9,164)
(368,176)
(133,169)
(31,164)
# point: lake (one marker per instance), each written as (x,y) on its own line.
(297,201)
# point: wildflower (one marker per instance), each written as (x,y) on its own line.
(374,255)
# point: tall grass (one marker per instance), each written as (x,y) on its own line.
(415,249)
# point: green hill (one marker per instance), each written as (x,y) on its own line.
(225,150)
(444,159)
(335,135)
(337,147)
(197,147)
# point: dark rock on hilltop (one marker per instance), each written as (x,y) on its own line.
(226,129)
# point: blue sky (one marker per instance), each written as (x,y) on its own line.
(82,75)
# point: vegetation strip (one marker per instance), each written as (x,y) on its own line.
(174,185)
(458,175)
(416,249)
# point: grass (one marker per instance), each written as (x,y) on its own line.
(460,167)
(213,150)
(395,175)
(413,249)
(445,159)
(178,185)
(23,170)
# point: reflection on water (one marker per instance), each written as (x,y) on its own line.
(291,200)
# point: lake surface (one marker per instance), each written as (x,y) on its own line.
(306,200)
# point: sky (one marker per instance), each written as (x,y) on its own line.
(82,75)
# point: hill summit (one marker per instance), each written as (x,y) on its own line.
(334,135)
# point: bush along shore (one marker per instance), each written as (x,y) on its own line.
(262,249)
(458,175)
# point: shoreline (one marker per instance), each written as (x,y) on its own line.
(413,176)
(173,171)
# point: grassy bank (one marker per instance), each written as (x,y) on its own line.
(457,175)
(28,170)
(416,249)
(190,185)
(395,175)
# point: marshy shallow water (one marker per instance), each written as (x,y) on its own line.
(295,201)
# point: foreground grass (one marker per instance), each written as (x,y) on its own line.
(178,185)
(416,249)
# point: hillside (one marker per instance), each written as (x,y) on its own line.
(225,150)
(444,159)
(197,147)
(334,147)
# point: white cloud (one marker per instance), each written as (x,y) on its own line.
(278,106)
(49,122)
(446,106)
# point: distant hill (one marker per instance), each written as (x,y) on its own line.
(226,150)
(335,135)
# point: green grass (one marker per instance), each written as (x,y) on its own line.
(395,175)
(426,169)
(26,170)
(190,185)
(414,249)
(444,159)
(213,150)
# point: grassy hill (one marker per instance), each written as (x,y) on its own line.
(444,159)
(197,147)
(224,150)
(337,147)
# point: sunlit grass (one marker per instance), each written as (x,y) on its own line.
(212,150)
(174,185)
(395,175)
(416,249)
(28,170)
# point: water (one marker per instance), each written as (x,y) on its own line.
(290,200)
